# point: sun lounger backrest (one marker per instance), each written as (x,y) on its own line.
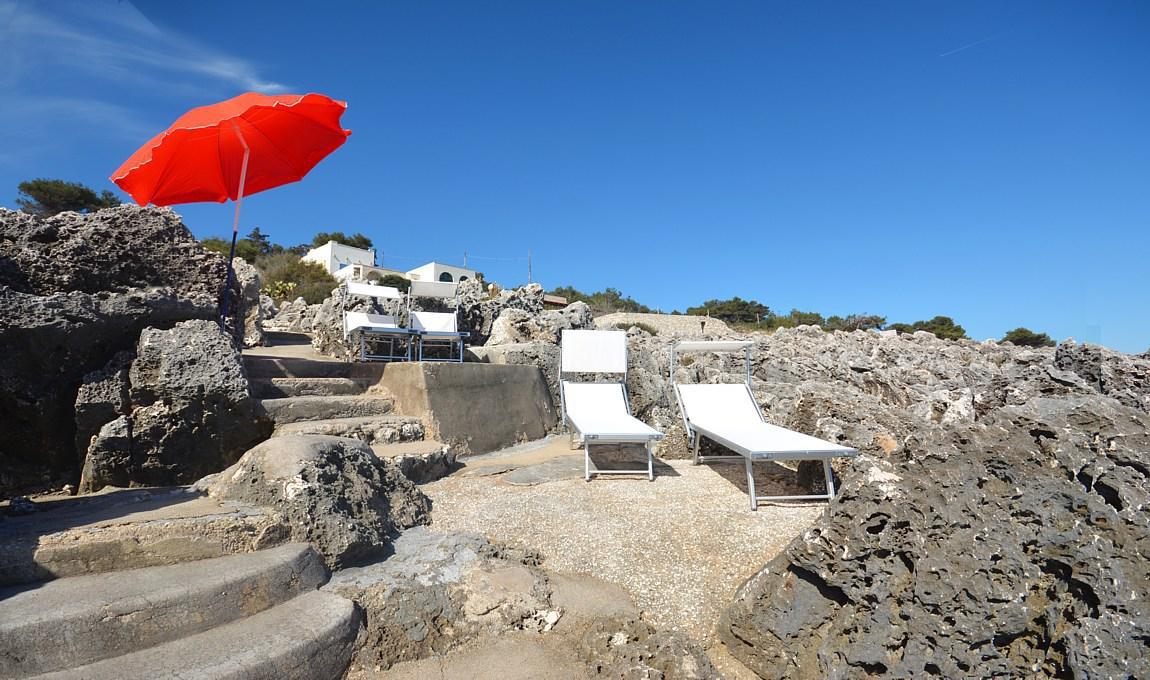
(593,352)
(433,289)
(435,322)
(355,288)
(722,403)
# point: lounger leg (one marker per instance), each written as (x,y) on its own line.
(751,486)
(696,449)
(650,462)
(586,461)
(830,478)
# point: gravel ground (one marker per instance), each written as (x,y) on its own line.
(680,545)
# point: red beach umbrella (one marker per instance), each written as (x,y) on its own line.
(233,149)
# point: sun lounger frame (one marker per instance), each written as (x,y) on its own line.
(695,432)
(609,365)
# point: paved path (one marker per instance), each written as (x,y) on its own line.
(680,545)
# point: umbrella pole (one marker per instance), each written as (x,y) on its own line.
(235,225)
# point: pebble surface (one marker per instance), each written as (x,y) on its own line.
(680,545)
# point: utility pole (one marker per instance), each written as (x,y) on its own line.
(465,258)
(528,266)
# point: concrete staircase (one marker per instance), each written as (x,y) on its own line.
(251,615)
(306,393)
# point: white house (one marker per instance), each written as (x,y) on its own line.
(335,256)
(434,271)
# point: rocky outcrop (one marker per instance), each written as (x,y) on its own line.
(292,316)
(479,308)
(189,410)
(51,342)
(109,250)
(251,309)
(515,325)
(332,492)
(1014,545)
(75,290)
(103,397)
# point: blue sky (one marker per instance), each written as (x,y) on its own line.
(985,160)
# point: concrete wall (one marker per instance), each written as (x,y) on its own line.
(475,408)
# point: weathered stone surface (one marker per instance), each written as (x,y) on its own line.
(191,412)
(103,397)
(129,528)
(333,492)
(627,647)
(516,325)
(1013,546)
(438,591)
(479,309)
(70,622)
(51,343)
(109,250)
(1109,372)
(74,290)
(293,316)
(251,309)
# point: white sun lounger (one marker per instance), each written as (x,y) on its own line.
(600,412)
(729,415)
(377,329)
(437,329)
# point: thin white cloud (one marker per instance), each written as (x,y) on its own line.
(72,71)
(113,41)
(976,43)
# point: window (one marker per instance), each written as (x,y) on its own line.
(446,277)
(462,278)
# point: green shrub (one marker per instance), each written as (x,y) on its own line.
(942,326)
(1028,338)
(602,302)
(311,280)
(396,281)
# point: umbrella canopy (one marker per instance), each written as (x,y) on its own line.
(201,156)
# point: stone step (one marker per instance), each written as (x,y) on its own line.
(266,367)
(75,621)
(129,528)
(421,461)
(372,429)
(310,636)
(275,388)
(298,409)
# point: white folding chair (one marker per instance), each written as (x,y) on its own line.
(600,412)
